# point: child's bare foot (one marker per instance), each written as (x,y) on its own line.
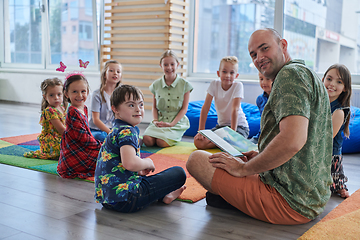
(343,193)
(173,195)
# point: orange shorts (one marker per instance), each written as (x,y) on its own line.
(258,200)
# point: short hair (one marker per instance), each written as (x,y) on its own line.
(231,59)
(123,92)
(169,53)
(275,34)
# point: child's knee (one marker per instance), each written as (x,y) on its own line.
(203,144)
(148,141)
(199,144)
(161,143)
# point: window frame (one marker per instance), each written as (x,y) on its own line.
(278,25)
(46,52)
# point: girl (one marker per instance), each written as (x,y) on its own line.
(52,120)
(121,183)
(79,149)
(102,118)
(337,80)
(170,103)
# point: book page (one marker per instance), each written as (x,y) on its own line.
(218,141)
(235,139)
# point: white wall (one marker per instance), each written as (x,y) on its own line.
(25,87)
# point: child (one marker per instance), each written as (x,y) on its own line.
(102,118)
(227,94)
(79,149)
(337,80)
(170,103)
(261,100)
(52,120)
(121,183)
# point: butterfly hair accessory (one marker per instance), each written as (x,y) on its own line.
(83,64)
(62,67)
(73,73)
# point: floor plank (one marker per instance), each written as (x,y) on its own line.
(37,205)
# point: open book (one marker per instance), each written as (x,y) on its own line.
(229,141)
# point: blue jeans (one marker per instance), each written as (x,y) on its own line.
(151,189)
(98,134)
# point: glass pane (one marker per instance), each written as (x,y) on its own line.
(71,32)
(323,32)
(223,27)
(23,32)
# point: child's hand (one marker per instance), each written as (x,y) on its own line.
(144,172)
(162,124)
(148,169)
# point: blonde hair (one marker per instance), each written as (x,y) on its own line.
(103,77)
(169,53)
(50,82)
(230,59)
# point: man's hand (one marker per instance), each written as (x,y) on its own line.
(233,165)
(249,155)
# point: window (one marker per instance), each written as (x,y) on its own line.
(321,32)
(24,30)
(36,40)
(223,28)
(85,31)
(88,7)
(74,10)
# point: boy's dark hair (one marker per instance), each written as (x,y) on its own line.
(70,80)
(124,92)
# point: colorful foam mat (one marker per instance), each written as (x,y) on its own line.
(13,148)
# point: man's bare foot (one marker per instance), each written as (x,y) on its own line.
(343,193)
(173,195)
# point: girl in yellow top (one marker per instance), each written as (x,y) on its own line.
(52,120)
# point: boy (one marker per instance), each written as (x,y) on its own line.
(227,95)
(261,100)
(121,183)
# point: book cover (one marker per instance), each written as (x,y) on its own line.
(229,141)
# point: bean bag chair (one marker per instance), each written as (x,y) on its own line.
(352,144)
(193,113)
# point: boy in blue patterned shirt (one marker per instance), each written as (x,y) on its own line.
(121,183)
(261,100)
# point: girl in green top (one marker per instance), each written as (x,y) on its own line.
(170,103)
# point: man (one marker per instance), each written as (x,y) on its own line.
(288,181)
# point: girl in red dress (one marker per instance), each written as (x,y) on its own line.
(78,149)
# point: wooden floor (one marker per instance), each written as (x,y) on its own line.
(36,205)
